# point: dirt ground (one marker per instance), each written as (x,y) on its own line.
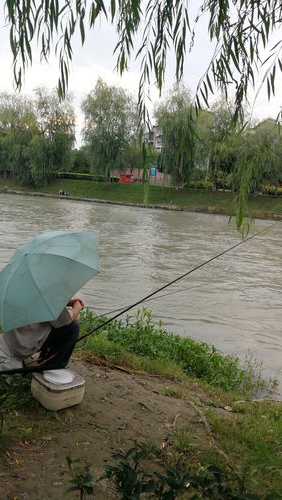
(118,409)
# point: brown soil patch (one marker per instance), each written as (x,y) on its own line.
(118,410)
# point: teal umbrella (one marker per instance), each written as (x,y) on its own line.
(43,275)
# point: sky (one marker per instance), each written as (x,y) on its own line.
(95,59)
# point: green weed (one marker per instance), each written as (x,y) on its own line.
(82,480)
(15,392)
(171,482)
(130,478)
(183,441)
(142,337)
(253,439)
(170,392)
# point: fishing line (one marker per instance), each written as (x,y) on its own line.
(148,300)
(182,276)
(143,299)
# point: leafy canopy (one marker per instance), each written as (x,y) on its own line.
(110,126)
(176,120)
(240,30)
(36,136)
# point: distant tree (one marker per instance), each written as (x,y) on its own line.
(18,124)
(259,158)
(110,126)
(51,150)
(81,160)
(133,157)
(17,113)
(240,30)
(36,136)
(53,115)
(204,122)
(177,122)
(222,139)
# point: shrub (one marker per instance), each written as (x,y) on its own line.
(146,339)
(83,177)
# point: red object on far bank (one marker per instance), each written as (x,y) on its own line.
(126,179)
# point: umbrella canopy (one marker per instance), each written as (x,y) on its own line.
(43,275)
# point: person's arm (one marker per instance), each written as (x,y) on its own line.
(70,313)
(76,306)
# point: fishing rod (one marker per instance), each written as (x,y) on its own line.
(112,311)
(143,299)
(182,276)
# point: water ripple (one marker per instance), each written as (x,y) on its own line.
(233,303)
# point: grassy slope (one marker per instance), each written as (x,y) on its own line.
(192,200)
(240,437)
(145,345)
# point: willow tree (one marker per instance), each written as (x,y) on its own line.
(176,120)
(222,138)
(110,126)
(18,125)
(36,136)
(258,164)
(240,31)
(51,148)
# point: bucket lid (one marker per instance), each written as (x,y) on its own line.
(58,376)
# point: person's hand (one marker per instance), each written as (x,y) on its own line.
(76,307)
(76,299)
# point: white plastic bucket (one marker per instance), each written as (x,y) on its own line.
(56,391)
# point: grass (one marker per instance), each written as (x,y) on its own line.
(101,347)
(183,441)
(197,470)
(135,194)
(15,393)
(239,444)
(170,392)
(206,201)
(230,449)
(253,441)
(21,416)
(145,345)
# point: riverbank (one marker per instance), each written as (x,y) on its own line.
(155,404)
(261,207)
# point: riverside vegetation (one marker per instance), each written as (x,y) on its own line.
(226,446)
(37,138)
(199,200)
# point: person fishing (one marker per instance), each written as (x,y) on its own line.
(46,345)
(52,349)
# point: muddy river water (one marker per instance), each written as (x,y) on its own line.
(235,302)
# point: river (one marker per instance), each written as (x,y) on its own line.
(235,302)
